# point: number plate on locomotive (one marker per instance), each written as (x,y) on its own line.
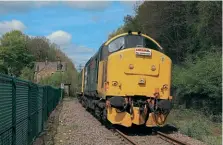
(143,51)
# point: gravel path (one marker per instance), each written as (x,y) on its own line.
(79,127)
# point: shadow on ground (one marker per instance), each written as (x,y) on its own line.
(142,130)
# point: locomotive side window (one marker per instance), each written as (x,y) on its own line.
(149,44)
(117,44)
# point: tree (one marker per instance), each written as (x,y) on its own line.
(14,53)
(3,69)
(39,46)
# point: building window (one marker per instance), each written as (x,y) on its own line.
(59,67)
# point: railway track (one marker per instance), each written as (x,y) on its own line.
(161,135)
(125,137)
(170,139)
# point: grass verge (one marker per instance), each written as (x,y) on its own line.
(196,125)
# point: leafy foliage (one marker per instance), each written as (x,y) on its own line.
(27,74)
(198,83)
(53,80)
(14,53)
(40,46)
(182,28)
(202,76)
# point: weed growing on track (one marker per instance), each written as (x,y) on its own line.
(196,125)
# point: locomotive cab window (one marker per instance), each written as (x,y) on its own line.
(117,44)
(131,41)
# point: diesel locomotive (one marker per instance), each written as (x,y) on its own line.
(128,81)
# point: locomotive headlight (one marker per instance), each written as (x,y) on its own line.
(142,81)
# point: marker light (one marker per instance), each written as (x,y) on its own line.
(131,66)
(153,67)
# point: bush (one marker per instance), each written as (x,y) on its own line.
(53,80)
(199,80)
(27,74)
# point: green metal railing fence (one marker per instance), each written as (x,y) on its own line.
(24,108)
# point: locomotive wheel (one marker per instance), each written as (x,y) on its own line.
(87,107)
(98,112)
(104,115)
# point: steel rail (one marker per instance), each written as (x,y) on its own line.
(170,139)
(125,137)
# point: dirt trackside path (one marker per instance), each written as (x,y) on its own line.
(79,127)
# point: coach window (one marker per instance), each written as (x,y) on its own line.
(117,44)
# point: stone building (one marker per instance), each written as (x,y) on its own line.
(45,69)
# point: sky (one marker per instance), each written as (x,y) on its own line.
(78,27)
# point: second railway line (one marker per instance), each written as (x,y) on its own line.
(156,137)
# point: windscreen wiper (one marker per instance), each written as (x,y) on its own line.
(121,46)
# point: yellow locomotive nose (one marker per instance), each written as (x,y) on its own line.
(139,74)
